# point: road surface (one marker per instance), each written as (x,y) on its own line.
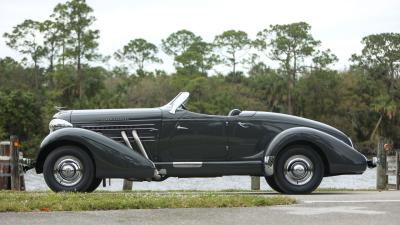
(320,208)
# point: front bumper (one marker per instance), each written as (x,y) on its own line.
(27,164)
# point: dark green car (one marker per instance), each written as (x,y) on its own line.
(152,144)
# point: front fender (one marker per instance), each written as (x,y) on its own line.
(341,158)
(112,159)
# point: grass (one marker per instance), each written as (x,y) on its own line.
(48,201)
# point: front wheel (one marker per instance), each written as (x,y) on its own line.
(70,168)
(271,182)
(298,170)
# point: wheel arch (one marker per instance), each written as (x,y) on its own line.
(111,158)
(338,157)
(46,150)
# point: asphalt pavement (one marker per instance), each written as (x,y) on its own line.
(369,207)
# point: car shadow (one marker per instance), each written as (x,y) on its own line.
(277,193)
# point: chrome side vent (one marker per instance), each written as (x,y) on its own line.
(139,143)
(141,148)
(126,139)
(137,140)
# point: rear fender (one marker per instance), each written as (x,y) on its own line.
(341,158)
(112,159)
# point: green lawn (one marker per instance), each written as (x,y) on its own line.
(48,201)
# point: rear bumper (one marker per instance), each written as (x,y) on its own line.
(372,162)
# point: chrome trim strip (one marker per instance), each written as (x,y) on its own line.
(110,129)
(148,137)
(106,125)
(139,143)
(179,127)
(187,164)
(208,163)
(119,121)
(269,165)
(125,137)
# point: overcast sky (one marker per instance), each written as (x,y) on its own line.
(339,24)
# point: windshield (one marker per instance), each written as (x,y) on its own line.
(178,101)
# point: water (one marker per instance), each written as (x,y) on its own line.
(35,182)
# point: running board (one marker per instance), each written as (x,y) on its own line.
(201,164)
(211,168)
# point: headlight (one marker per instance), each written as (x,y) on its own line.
(56,124)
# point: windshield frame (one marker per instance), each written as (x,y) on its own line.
(177,102)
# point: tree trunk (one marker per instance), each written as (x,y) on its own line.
(288,71)
(141,64)
(376,127)
(234,64)
(80,89)
(35,75)
(51,62)
(290,109)
(292,84)
(63,54)
(78,55)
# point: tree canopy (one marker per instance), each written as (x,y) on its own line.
(281,69)
(138,52)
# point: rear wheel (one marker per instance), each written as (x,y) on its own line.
(95,184)
(69,168)
(298,170)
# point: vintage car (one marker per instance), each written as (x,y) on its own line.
(152,144)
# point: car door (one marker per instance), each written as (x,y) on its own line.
(246,138)
(195,137)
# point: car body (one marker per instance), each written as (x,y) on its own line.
(152,144)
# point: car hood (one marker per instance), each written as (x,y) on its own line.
(285,121)
(108,115)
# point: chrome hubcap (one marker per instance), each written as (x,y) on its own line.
(298,170)
(68,171)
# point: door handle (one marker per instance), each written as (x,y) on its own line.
(179,127)
(244,125)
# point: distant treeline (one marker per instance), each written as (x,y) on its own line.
(59,54)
